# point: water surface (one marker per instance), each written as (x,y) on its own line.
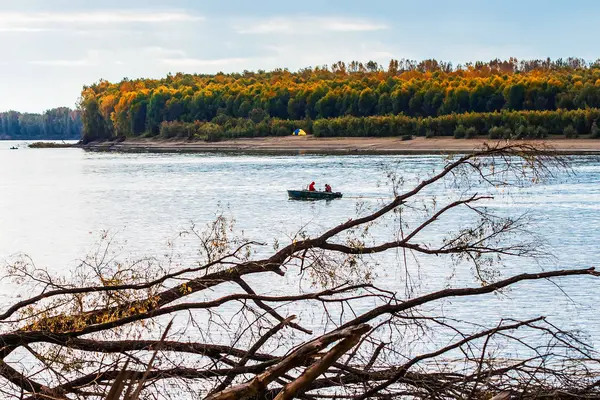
(55,203)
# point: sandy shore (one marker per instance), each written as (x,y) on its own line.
(311,145)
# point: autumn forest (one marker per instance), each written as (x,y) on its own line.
(499,99)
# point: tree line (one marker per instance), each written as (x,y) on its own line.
(417,90)
(58,124)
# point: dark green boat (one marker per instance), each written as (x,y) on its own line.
(307,195)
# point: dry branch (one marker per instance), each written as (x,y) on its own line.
(96,337)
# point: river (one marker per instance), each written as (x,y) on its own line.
(55,204)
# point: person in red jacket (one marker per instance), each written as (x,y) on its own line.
(327,188)
(311,187)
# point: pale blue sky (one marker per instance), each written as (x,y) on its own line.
(51,48)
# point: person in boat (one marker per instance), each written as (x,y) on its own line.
(311,187)
(328,188)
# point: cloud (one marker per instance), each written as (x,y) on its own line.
(39,22)
(25,29)
(300,54)
(162,52)
(465,52)
(62,63)
(308,25)
(90,59)
(198,62)
(379,55)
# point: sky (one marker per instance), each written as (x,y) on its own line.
(50,49)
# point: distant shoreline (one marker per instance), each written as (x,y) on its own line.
(311,145)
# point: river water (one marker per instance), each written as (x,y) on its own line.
(55,204)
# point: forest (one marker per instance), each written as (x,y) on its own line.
(502,98)
(57,124)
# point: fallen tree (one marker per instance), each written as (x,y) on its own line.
(206,331)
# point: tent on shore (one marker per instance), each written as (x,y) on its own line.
(299,132)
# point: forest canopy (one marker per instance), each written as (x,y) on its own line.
(58,124)
(528,98)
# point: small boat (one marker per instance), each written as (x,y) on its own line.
(14,148)
(316,195)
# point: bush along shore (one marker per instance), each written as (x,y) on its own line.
(497,125)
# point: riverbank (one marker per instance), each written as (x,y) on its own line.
(51,145)
(312,145)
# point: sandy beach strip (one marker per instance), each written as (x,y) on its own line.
(312,145)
